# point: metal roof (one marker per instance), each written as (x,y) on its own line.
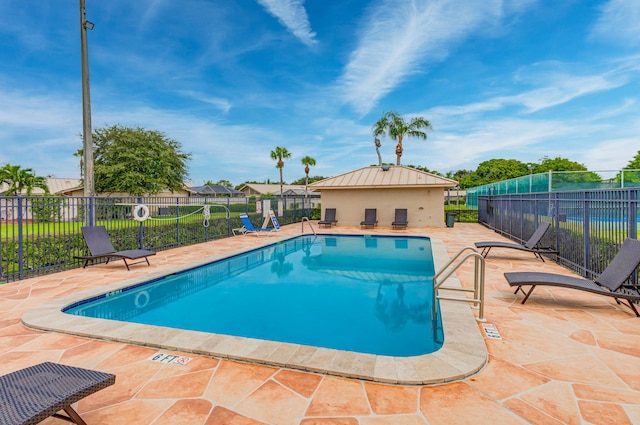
(55,185)
(215,190)
(393,176)
(264,188)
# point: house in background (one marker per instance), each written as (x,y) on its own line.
(216,191)
(386,188)
(259,189)
(56,186)
(292,193)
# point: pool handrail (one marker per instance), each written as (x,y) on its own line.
(310,225)
(478,281)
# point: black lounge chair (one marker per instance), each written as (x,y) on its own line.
(329,217)
(400,221)
(30,395)
(99,244)
(532,245)
(614,281)
(369,218)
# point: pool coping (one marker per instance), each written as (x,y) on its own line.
(463,353)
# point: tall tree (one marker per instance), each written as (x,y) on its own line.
(634,164)
(280,154)
(494,170)
(137,161)
(397,128)
(631,172)
(307,161)
(221,182)
(579,173)
(21,179)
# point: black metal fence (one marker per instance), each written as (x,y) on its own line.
(41,234)
(588,227)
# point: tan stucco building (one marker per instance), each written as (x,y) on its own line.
(385,189)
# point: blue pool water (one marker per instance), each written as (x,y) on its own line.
(368,294)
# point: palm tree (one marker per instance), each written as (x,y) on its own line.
(278,154)
(393,125)
(20,179)
(307,161)
(80,154)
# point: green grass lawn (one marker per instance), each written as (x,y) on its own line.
(64,227)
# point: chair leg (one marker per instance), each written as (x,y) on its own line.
(73,416)
(633,307)
(528,293)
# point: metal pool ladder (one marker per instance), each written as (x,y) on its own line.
(478,281)
(308,221)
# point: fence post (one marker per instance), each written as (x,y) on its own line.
(229,217)
(20,240)
(178,220)
(586,231)
(91,218)
(633,213)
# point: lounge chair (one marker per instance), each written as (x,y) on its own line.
(249,228)
(614,281)
(400,221)
(369,218)
(329,217)
(30,395)
(99,244)
(532,245)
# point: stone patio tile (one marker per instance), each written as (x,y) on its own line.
(273,403)
(610,395)
(339,397)
(222,416)
(492,379)
(128,412)
(614,341)
(188,411)
(330,421)
(302,383)
(580,369)
(446,404)
(556,399)
(233,381)
(394,420)
(392,400)
(603,413)
(190,385)
(530,413)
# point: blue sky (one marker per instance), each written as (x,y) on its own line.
(232,79)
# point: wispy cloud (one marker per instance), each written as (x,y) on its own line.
(223,104)
(292,15)
(619,21)
(397,37)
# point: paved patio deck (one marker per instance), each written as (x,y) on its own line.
(565,357)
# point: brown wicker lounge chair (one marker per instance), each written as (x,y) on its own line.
(400,221)
(532,245)
(30,395)
(370,219)
(329,217)
(99,244)
(614,281)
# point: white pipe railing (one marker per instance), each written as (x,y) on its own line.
(478,281)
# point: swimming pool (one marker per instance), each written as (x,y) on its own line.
(463,352)
(368,294)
